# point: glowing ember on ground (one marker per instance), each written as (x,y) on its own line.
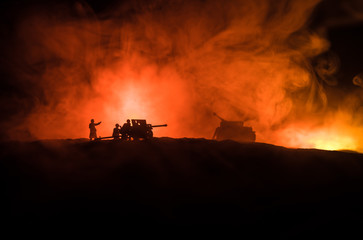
(328,140)
(333,142)
(323,138)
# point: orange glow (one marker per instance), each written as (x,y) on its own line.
(333,142)
(323,139)
(177,65)
(133,105)
(340,132)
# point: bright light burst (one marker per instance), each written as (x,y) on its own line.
(326,139)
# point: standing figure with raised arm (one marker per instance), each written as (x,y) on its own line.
(92,129)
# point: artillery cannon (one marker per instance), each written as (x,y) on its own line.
(233,130)
(138,130)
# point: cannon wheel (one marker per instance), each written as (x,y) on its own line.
(149,134)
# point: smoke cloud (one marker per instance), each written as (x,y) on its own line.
(173,62)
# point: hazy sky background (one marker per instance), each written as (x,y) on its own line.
(280,66)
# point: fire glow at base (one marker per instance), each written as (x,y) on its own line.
(326,139)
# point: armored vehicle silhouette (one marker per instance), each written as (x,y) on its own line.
(140,129)
(233,130)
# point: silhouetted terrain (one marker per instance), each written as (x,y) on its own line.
(263,189)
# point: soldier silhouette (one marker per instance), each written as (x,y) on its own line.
(116,132)
(92,128)
(126,130)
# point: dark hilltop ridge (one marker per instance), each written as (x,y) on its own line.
(259,187)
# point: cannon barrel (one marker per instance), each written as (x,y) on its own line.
(162,125)
(100,138)
(222,119)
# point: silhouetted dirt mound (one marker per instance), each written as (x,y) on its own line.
(264,188)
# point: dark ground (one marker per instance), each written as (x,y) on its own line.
(261,189)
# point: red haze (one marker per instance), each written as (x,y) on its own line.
(176,62)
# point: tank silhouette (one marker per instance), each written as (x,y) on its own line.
(140,129)
(233,130)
